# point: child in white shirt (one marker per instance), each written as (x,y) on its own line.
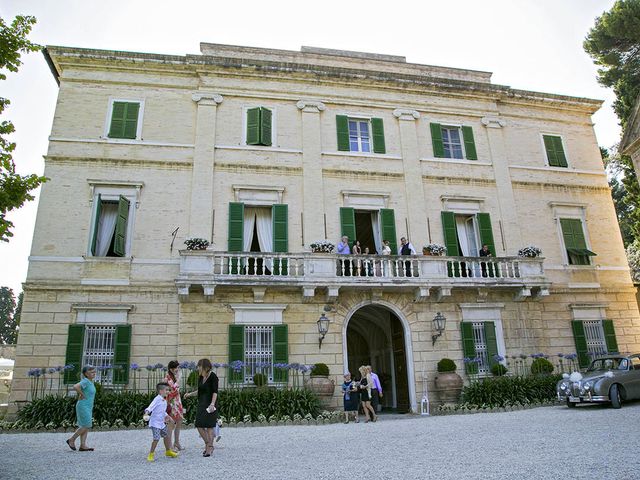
(156,415)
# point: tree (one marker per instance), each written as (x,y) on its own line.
(614,45)
(8,332)
(14,188)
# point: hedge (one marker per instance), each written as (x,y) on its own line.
(502,391)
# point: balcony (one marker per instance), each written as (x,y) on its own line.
(312,272)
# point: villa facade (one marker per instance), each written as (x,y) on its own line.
(262,153)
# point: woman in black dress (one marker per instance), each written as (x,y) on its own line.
(366,384)
(206,413)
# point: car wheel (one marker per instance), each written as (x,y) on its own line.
(571,404)
(614,395)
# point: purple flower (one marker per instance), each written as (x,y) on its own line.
(159,366)
(70,367)
(135,366)
(561,355)
(150,367)
(51,370)
(498,358)
(236,365)
(217,365)
(184,364)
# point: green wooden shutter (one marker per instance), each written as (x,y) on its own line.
(468,346)
(253,126)
(436,140)
(280,217)
(492,342)
(574,241)
(377,128)
(610,336)
(121,354)
(118,112)
(549,146)
(342,127)
(96,225)
(486,233)
(388,228)
(265,126)
(236,352)
(581,343)
(235,234)
(560,156)
(280,352)
(131,120)
(120,243)
(75,350)
(469,143)
(348,223)
(450,233)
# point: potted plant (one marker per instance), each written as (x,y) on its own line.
(320,384)
(448,382)
(434,249)
(196,243)
(322,246)
(530,251)
(259,380)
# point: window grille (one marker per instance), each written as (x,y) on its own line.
(480,343)
(594,334)
(98,351)
(258,354)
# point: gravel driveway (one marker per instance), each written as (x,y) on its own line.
(592,442)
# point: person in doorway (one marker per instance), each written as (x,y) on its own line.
(86,392)
(351,398)
(376,390)
(406,249)
(343,248)
(207,413)
(366,384)
(156,415)
(174,403)
(484,252)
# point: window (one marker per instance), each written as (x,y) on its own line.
(106,347)
(593,338)
(555,151)
(575,242)
(111,220)
(257,349)
(480,346)
(124,121)
(259,131)
(360,134)
(99,350)
(258,353)
(453,142)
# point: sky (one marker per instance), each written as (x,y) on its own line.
(527,44)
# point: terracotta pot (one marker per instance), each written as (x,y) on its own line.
(321,385)
(449,384)
(426,252)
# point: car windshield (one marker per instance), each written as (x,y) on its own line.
(604,364)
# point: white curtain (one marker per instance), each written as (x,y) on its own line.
(474,248)
(265,229)
(106,228)
(249,223)
(461,227)
(375,222)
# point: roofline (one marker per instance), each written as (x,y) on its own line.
(52,67)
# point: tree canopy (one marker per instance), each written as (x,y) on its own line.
(614,45)
(14,188)
(8,321)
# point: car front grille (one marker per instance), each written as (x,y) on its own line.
(575,389)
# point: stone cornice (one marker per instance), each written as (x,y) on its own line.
(310,106)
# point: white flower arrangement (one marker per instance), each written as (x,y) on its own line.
(322,246)
(529,251)
(435,249)
(196,243)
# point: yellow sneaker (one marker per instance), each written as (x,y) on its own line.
(170,453)
(151,457)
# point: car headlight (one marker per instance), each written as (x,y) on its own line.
(588,386)
(563,386)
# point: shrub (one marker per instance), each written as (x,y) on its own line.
(541,366)
(502,391)
(126,408)
(192,379)
(259,379)
(446,365)
(320,369)
(498,370)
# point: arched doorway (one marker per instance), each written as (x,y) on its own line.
(375,335)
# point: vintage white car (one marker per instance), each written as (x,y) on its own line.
(614,378)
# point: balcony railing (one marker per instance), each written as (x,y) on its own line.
(310,270)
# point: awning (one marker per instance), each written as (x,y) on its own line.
(581,251)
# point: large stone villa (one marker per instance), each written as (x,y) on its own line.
(264,152)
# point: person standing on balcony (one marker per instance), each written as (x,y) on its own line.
(484,252)
(406,249)
(357,250)
(86,392)
(386,250)
(343,249)
(174,404)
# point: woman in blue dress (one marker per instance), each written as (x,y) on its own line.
(86,391)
